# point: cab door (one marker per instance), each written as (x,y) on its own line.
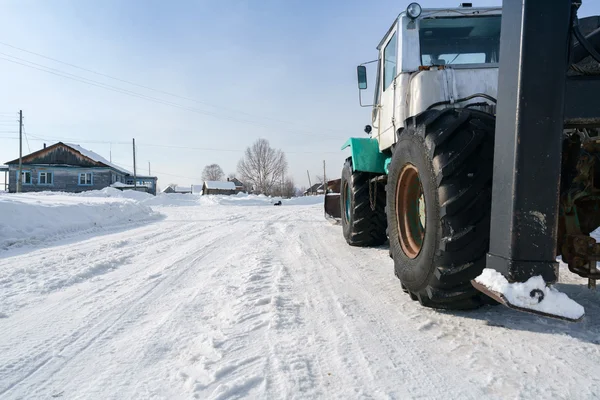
(388,71)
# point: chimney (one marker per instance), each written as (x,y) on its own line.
(44,145)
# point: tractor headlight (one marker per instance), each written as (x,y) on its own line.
(413,10)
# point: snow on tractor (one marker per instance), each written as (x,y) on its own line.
(481,170)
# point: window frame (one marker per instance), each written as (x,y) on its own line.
(485,64)
(394,38)
(91,174)
(24,172)
(46,173)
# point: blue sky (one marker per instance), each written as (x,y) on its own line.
(283,70)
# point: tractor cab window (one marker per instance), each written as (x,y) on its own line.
(389,62)
(459,40)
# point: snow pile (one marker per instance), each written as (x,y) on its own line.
(119,184)
(37,217)
(519,294)
(173,200)
(110,192)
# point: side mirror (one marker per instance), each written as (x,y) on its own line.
(362,77)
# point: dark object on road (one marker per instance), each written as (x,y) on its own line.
(278,203)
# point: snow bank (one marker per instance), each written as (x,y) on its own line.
(519,295)
(173,200)
(36,217)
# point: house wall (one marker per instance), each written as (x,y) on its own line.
(65,179)
(218,191)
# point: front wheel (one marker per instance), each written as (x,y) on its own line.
(439,205)
(362,204)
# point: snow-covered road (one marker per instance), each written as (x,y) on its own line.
(220,301)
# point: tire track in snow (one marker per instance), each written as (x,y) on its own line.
(240,362)
(399,352)
(15,280)
(104,325)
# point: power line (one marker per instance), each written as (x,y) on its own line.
(143,144)
(127,92)
(27,140)
(157,172)
(150,88)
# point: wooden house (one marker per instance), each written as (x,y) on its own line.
(69,167)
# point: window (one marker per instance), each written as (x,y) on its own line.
(25,177)
(46,178)
(389,62)
(460,40)
(85,178)
(113,178)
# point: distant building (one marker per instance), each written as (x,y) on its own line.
(239,186)
(315,189)
(178,189)
(69,167)
(218,187)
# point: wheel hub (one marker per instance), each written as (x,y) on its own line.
(411,215)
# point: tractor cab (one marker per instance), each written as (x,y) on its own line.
(431,58)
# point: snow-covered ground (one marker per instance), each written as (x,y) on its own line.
(224,298)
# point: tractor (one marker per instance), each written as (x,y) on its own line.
(483,152)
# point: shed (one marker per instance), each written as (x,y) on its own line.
(178,189)
(317,188)
(218,187)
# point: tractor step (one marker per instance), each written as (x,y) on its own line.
(533,296)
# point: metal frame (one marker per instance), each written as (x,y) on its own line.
(529,127)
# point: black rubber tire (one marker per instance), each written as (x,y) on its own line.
(364,226)
(453,152)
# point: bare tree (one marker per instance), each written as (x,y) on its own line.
(231,176)
(212,172)
(289,188)
(319,178)
(300,191)
(262,167)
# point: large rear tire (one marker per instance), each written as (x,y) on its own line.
(439,205)
(362,225)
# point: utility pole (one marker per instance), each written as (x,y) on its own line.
(309,184)
(20,178)
(110,152)
(134,171)
(149,168)
(324,180)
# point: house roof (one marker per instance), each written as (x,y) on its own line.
(315,187)
(219,185)
(96,157)
(237,182)
(90,155)
(179,189)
